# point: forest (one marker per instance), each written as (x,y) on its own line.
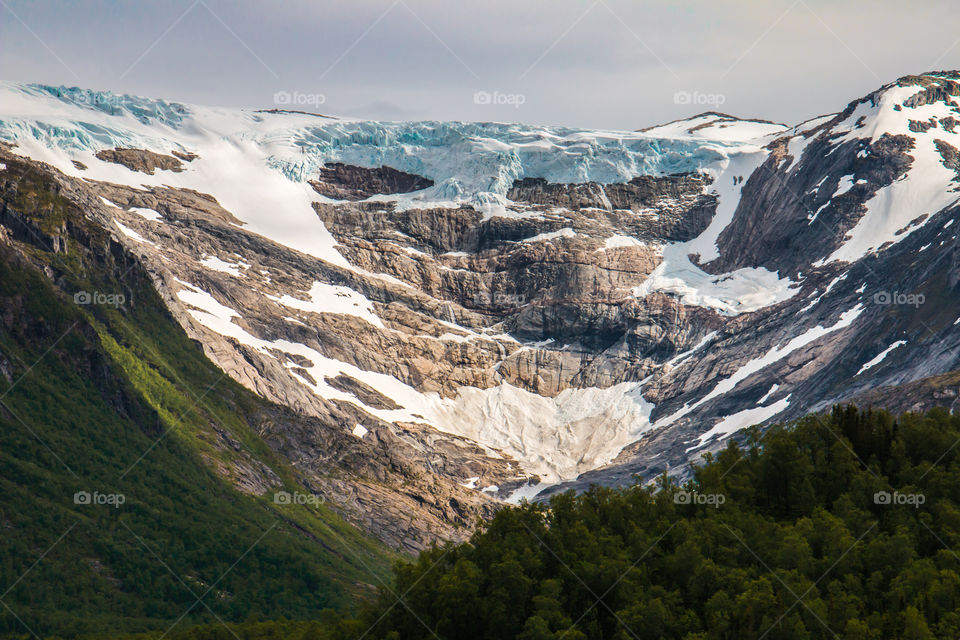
(841,525)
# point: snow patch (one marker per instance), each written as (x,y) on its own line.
(682,357)
(925,189)
(617,241)
(775,354)
(328,298)
(881,356)
(149,214)
(845,184)
(556,438)
(711,126)
(130,233)
(566,232)
(739,291)
(216,264)
(526,492)
(769,393)
(741,163)
(740,420)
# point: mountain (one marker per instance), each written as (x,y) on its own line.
(510,310)
(137,491)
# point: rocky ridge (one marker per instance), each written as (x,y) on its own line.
(557,330)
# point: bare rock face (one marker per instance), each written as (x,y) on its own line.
(643,193)
(776,229)
(347,182)
(170,202)
(365,393)
(381,477)
(568,333)
(457,304)
(381,481)
(837,207)
(142,160)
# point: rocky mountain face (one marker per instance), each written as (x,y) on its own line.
(505,311)
(378,480)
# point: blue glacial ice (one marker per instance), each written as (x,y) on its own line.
(474,162)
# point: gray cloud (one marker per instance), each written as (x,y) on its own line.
(610,64)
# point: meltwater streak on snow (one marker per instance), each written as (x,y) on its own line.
(740,420)
(881,356)
(775,354)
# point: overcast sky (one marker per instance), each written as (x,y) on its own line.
(584,63)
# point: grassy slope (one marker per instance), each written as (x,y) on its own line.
(123,402)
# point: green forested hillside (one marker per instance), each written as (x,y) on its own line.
(843,526)
(838,526)
(117,402)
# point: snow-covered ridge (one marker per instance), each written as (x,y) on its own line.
(717,126)
(474,162)
(927,187)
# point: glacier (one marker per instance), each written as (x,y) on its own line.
(257,165)
(469,162)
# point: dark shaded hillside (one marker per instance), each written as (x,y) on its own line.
(135,491)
